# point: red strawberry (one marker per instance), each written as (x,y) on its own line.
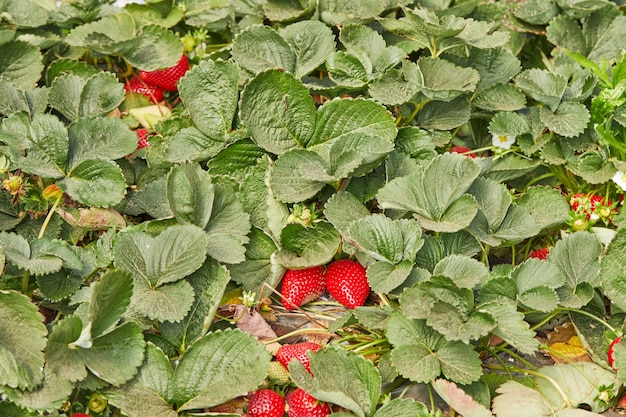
(80,415)
(298,351)
(167,78)
(346,281)
(136,85)
(464,150)
(541,253)
(593,207)
(302,404)
(301,286)
(611,352)
(266,403)
(142,136)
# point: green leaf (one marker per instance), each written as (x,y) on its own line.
(51,395)
(278,111)
(370,48)
(341,12)
(512,327)
(331,367)
(219,367)
(17,251)
(464,271)
(98,138)
(298,175)
(435,196)
(16,100)
(421,354)
(384,276)
(601,29)
(209,283)
(354,118)
(190,194)
(544,86)
(536,12)
(312,41)
(151,48)
(307,246)
(167,302)
(569,119)
(548,206)
(74,96)
(190,144)
(259,48)
(444,115)
(20,63)
(393,88)
(500,97)
(385,239)
(565,32)
(454,325)
(496,66)
(342,208)
(347,70)
(209,92)
(95,182)
(26,14)
(444,81)
(59,285)
(62,354)
(115,356)
(613,269)
(536,280)
(22,343)
(578,257)
(508,124)
(109,299)
(150,390)
(258,268)
(287,10)
(402,407)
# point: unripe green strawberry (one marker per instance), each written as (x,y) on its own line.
(278,374)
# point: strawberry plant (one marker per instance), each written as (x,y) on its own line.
(411,198)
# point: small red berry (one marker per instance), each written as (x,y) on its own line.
(167,78)
(142,138)
(611,352)
(138,86)
(301,286)
(80,415)
(346,282)
(297,351)
(266,403)
(463,150)
(541,253)
(302,404)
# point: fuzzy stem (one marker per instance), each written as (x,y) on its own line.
(44,226)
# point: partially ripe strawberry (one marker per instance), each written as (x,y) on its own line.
(142,138)
(167,78)
(298,351)
(464,150)
(302,404)
(301,286)
(136,85)
(346,281)
(611,352)
(266,403)
(541,253)
(278,374)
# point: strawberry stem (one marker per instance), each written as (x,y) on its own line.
(297,332)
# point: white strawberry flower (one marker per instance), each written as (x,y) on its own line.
(620,179)
(502,141)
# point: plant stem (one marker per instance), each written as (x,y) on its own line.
(297,332)
(51,212)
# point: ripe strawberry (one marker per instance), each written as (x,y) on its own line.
(80,415)
(301,286)
(298,351)
(593,207)
(611,352)
(463,150)
(142,136)
(167,78)
(541,253)
(302,404)
(266,403)
(278,374)
(136,85)
(346,281)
